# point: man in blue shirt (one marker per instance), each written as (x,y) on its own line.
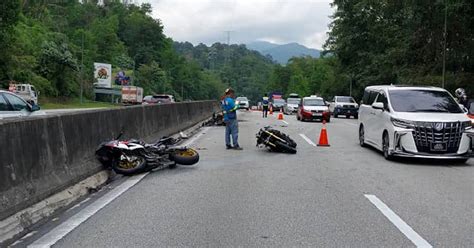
(230,118)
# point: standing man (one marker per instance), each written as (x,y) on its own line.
(230,119)
(265,103)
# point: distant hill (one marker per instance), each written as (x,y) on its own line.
(282,53)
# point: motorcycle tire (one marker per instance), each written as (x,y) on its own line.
(186,157)
(282,147)
(140,167)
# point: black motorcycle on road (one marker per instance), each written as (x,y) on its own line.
(133,156)
(275,140)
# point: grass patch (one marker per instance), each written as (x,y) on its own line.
(72,103)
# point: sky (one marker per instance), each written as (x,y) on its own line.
(277,21)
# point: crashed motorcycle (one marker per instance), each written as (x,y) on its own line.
(275,140)
(128,157)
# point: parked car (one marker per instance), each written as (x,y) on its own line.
(12,105)
(243,102)
(313,108)
(423,122)
(158,99)
(344,105)
(291,105)
(278,103)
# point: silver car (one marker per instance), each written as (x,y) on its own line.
(11,105)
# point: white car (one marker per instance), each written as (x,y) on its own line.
(243,102)
(291,105)
(423,122)
(12,106)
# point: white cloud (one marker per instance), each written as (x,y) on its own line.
(280,21)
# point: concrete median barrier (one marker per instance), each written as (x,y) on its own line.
(43,155)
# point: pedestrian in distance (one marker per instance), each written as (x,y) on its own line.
(230,119)
(265,104)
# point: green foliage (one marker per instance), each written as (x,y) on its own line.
(401,42)
(53,45)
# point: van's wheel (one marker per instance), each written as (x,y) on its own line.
(362,136)
(386,147)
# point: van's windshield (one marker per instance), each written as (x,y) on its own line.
(423,101)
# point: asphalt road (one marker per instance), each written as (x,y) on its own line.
(338,196)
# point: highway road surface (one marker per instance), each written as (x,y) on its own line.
(338,196)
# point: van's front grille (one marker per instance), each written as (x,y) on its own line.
(438,137)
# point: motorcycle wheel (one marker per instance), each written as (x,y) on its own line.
(126,167)
(282,147)
(185,157)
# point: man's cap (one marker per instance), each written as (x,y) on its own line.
(229,90)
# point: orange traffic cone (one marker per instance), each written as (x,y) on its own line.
(280,115)
(323,137)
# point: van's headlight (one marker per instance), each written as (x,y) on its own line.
(402,123)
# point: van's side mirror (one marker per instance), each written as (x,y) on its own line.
(378,105)
(464,109)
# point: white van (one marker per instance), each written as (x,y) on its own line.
(25,91)
(423,122)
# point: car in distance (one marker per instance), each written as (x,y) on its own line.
(243,102)
(278,103)
(344,105)
(12,105)
(158,99)
(313,108)
(423,122)
(291,105)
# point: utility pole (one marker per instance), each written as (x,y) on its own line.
(445,35)
(228,46)
(82,67)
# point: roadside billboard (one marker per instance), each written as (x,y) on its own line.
(103,75)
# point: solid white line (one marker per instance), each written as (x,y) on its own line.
(197,136)
(285,122)
(398,222)
(69,225)
(307,139)
(66,227)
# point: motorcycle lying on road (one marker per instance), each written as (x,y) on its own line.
(275,140)
(135,156)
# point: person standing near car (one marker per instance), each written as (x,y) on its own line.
(265,103)
(230,119)
(463,98)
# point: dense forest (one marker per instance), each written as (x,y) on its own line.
(402,42)
(53,45)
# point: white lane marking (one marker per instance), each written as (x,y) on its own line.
(285,122)
(59,232)
(197,136)
(66,227)
(398,222)
(307,139)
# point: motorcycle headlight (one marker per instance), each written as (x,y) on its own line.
(402,123)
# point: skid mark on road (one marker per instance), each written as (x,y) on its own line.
(307,139)
(398,222)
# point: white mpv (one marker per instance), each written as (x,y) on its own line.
(423,122)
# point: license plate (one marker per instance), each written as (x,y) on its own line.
(317,114)
(439,147)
